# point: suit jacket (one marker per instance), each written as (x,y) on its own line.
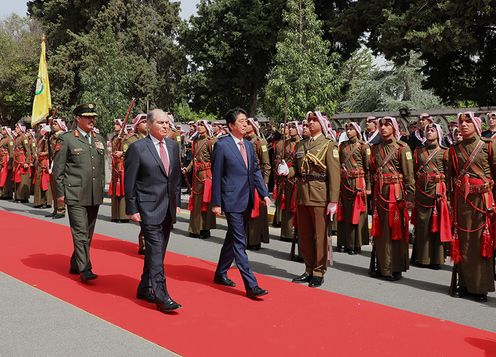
(149,190)
(233,184)
(79,169)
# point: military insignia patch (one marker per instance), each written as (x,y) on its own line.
(11,143)
(91,106)
(335,153)
(99,145)
(408,155)
(367,152)
(178,138)
(264,148)
(25,141)
(124,147)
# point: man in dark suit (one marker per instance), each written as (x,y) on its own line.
(235,175)
(152,184)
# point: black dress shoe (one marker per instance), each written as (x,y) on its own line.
(435,266)
(45,206)
(316,281)
(303,278)
(254,246)
(194,235)
(113,220)
(256,292)
(73,271)
(58,215)
(124,220)
(37,206)
(224,280)
(204,234)
(167,305)
(50,215)
(461,292)
(146,294)
(87,275)
(479,297)
(340,249)
(351,252)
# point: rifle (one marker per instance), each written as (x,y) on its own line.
(50,123)
(292,255)
(124,123)
(186,180)
(454,280)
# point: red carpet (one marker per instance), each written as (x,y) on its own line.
(292,321)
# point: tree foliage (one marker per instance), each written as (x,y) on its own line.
(231,44)
(110,51)
(18,67)
(304,76)
(390,89)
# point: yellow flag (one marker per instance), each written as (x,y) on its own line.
(42,98)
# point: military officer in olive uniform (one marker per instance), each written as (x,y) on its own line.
(317,194)
(202,219)
(79,175)
(391,169)
(6,158)
(140,131)
(22,165)
(257,229)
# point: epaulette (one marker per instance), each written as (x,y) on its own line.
(402,143)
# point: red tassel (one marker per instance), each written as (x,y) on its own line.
(283,201)
(486,247)
(191,204)
(255,212)
(274,193)
(396,228)
(375,231)
(435,221)
(455,249)
(339,211)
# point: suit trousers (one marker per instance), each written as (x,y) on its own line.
(82,220)
(156,240)
(234,249)
(312,238)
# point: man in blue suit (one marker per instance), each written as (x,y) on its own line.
(153,185)
(235,175)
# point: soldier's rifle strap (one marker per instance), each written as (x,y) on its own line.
(351,153)
(470,160)
(429,159)
(386,159)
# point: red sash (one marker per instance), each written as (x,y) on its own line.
(207,194)
(255,212)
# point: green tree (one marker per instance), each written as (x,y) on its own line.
(19,57)
(391,89)
(231,44)
(304,76)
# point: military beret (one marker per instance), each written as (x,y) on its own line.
(85,110)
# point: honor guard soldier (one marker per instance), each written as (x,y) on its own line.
(278,149)
(79,176)
(58,128)
(353,227)
(391,169)
(140,131)
(22,165)
(116,187)
(42,190)
(430,215)
(6,159)
(287,182)
(202,219)
(317,194)
(257,229)
(473,166)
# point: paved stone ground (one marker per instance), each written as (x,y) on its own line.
(421,290)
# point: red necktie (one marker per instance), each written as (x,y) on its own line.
(164,158)
(242,149)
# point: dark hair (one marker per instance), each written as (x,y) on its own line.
(232,114)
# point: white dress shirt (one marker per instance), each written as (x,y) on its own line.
(87,136)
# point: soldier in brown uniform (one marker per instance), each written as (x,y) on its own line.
(116,187)
(202,219)
(58,128)
(317,194)
(391,169)
(140,129)
(354,155)
(42,191)
(257,229)
(22,165)
(277,194)
(287,182)
(430,215)
(6,158)
(473,164)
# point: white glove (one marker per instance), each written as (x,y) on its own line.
(282,169)
(331,209)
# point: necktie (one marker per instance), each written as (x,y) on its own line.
(87,137)
(242,149)
(164,158)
